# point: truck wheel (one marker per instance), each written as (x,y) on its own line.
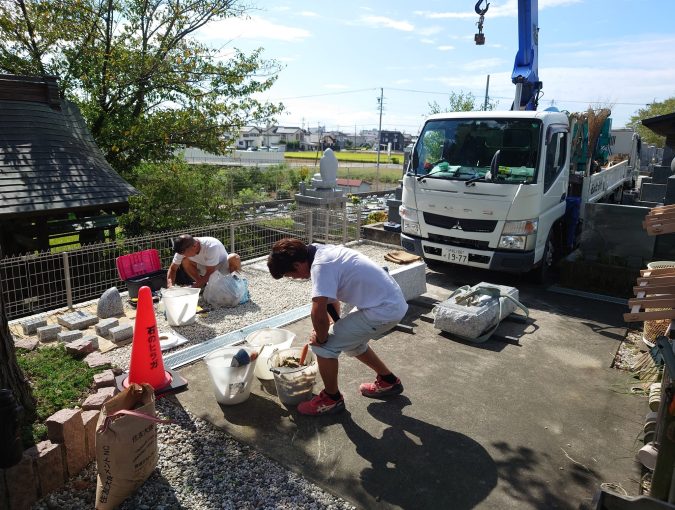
(542,274)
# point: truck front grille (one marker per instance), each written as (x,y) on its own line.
(465,224)
(454,241)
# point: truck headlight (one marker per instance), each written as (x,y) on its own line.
(519,235)
(409,220)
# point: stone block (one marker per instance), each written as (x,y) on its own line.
(96,359)
(653,192)
(77,320)
(670,191)
(412,279)
(91,338)
(29,327)
(49,464)
(48,333)
(110,304)
(121,332)
(105,325)
(22,487)
(80,348)
(105,378)
(68,336)
(96,401)
(26,343)
(66,427)
(660,174)
(90,419)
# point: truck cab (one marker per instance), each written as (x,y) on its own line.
(487,189)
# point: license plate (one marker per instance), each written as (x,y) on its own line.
(456,255)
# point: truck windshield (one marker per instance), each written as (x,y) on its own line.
(462,149)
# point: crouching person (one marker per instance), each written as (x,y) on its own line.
(341,274)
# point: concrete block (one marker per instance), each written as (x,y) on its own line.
(69,336)
(29,327)
(412,279)
(653,192)
(105,378)
(22,486)
(80,348)
(49,464)
(670,191)
(48,333)
(121,332)
(96,401)
(105,325)
(91,338)
(77,320)
(89,420)
(66,427)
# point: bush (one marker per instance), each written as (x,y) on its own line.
(376,217)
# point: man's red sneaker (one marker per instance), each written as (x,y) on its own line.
(381,388)
(321,404)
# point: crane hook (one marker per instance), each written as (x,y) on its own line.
(479,11)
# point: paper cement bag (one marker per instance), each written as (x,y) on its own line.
(126,444)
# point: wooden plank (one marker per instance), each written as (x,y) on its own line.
(656,230)
(666,301)
(658,220)
(661,271)
(662,209)
(649,316)
(657,280)
(653,289)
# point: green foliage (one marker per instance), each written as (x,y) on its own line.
(175,195)
(249,196)
(652,110)
(144,84)
(353,157)
(460,102)
(58,381)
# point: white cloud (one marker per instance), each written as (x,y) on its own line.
(428,31)
(384,22)
(445,48)
(507,9)
(309,14)
(485,64)
(251,28)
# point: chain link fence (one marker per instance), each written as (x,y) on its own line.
(44,281)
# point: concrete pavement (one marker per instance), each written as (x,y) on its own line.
(533,418)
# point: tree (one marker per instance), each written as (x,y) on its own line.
(11,376)
(651,110)
(175,195)
(459,102)
(144,84)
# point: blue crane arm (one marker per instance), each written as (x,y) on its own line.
(526,67)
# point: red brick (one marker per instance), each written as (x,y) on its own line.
(49,464)
(66,426)
(22,486)
(99,398)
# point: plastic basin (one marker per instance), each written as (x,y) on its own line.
(293,384)
(266,341)
(231,385)
(180,305)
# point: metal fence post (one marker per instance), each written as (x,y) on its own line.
(66,278)
(310,226)
(345,223)
(232,250)
(358,222)
(327,213)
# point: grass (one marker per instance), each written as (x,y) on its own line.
(349,157)
(58,381)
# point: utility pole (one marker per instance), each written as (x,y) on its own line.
(379,139)
(487,87)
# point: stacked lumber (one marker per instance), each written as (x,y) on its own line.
(660,220)
(654,296)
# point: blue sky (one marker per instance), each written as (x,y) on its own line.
(337,56)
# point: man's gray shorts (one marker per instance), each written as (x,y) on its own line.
(351,335)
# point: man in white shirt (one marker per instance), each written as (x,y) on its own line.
(340,274)
(199,257)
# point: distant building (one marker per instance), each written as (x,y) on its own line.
(354,185)
(396,139)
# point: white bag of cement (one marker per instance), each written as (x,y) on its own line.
(472,312)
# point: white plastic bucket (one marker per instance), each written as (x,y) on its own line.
(294,385)
(180,305)
(231,385)
(265,341)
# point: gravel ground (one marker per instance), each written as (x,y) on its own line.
(200,467)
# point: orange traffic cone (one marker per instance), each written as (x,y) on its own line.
(146,364)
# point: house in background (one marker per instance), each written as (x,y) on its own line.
(354,185)
(54,180)
(249,136)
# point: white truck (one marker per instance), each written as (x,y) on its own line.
(494,189)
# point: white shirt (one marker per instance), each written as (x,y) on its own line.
(211,253)
(342,274)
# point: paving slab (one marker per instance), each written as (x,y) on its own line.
(533,418)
